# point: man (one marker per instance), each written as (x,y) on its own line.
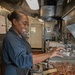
(17,51)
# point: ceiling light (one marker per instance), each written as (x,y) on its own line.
(33,4)
(41,20)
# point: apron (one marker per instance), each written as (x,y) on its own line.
(24,71)
(17,70)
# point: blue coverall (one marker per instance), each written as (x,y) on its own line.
(17,54)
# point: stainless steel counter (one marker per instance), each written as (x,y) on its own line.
(63,59)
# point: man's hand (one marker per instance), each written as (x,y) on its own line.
(56,52)
(60,48)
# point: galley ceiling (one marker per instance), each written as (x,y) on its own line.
(21,5)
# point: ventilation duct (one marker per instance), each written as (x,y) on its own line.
(48,9)
(50,2)
(19,2)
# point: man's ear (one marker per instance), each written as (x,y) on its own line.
(14,21)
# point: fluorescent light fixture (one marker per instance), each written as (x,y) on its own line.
(33,4)
(68,12)
(3,9)
(68,17)
(41,20)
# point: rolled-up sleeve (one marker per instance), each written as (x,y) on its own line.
(17,53)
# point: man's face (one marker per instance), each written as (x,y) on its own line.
(22,25)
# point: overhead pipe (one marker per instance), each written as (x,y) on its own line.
(19,2)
